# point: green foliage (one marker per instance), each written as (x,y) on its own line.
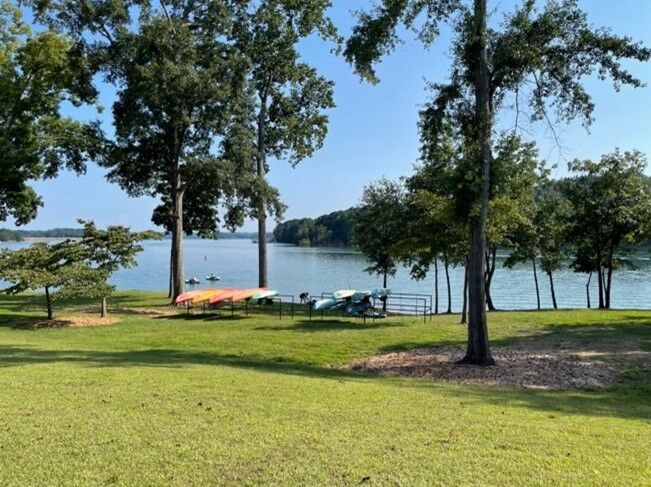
(380,226)
(375,35)
(73,268)
(551,222)
(432,225)
(38,72)
(62,266)
(18,235)
(611,206)
(10,235)
(282,110)
(332,230)
(539,55)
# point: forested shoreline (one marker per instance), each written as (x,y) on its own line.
(8,235)
(336,229)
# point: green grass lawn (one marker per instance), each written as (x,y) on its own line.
(172,400)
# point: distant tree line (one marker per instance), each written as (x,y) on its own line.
(7,235)
(332,230)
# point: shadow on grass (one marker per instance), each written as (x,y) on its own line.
(628,400)
(330,325)
(199,316)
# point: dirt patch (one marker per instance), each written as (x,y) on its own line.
(77,321)
(166,311)
(517,366)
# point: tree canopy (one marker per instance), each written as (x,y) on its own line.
(283,109)
(38,73)
(540,55)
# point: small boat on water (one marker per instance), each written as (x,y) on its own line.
(192,280)
(212,277)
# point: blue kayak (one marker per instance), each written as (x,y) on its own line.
(323,304)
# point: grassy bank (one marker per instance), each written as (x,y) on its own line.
(166,399)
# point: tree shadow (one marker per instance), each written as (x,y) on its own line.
(208,317)
(628,400)
(11,356)
(331,325)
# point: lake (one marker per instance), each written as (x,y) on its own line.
(293,270)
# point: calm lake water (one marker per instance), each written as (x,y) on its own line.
(293,270)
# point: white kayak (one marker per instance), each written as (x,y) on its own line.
(267,293)
(344,294)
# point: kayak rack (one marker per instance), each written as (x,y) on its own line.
(399,303)
(280,299)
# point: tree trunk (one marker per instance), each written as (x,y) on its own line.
(587,289)
(447,280)
(263,279)
(490,271)
(609,277)
(384,301)
(478,351)
(48,301)
(551,286)
(436,286)
(464,307)
(600,280)
(171,277)
(609,281)
(178,273)
(535,279)
(104,308)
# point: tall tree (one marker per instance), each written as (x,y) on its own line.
(434,231)
(284,116)
(379,229)
(552,50)
(611,205)
(551,221)
(180,81)
(38,73)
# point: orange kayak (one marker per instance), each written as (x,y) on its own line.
(234,296)
(217,294)
(221,297)
(245,294)
(206,295)
(182,298)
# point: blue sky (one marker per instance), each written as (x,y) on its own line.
(373,129)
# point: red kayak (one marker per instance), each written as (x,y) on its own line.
(222,297)
(235,296)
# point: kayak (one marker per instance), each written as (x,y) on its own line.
(355,309)
(221,298)
(234,296)
(267,293)
(182,298)
(245,294)
(380,293)
(344,294)
(323,304)
(207,294)
(360,295)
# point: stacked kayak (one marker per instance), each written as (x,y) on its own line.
(220,297)
(352,302)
